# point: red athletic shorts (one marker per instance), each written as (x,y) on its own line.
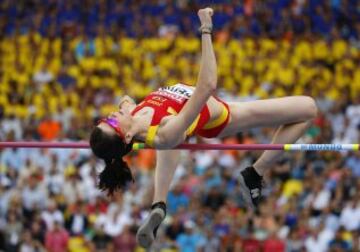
(214,128)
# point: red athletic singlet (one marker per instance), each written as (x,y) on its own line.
(169,101)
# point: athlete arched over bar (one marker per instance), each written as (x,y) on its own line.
(169,115)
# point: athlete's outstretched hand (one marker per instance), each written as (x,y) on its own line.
(205,17)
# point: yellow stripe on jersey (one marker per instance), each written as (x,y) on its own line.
(150,137)
(171,111)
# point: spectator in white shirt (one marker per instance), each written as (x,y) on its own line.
(74,188)
(13,158)
(34,194)
(51,215)
(319,239)
(350,216)
(54,180)
(115,222)
(337,120)
(320,197)
(12,128)
(43,76)
(331,220)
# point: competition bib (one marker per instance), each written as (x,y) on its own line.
(178,92)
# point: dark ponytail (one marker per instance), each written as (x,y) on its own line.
(116,174)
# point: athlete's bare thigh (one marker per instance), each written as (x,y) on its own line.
(270,112)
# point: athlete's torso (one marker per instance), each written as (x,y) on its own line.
(167,101)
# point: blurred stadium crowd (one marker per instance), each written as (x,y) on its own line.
(64,64)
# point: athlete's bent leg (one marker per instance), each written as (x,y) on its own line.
(287,133)
(166,163)
(292,115)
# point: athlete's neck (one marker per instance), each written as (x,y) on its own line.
(140,125)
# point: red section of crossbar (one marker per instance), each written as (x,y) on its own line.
(85,145)
(61,145)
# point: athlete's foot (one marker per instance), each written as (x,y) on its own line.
(251,185)
(146,233)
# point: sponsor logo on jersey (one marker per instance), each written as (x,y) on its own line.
(179,92)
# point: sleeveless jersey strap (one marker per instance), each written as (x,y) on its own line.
(150,137)
(154,125)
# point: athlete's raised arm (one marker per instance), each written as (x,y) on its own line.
(174,130)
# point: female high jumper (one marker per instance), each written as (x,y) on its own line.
(166,117)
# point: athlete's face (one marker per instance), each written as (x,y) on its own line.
(118,122)
(122,115)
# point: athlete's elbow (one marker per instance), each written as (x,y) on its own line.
(211,85)
(207,80)
(312,109)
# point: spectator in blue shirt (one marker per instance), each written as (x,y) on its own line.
(339,243)
(177,199)
(85,47)
(353,162)
(191,240)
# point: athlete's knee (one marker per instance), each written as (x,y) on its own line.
(309,106)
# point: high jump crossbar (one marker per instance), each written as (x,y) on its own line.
(185,146)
